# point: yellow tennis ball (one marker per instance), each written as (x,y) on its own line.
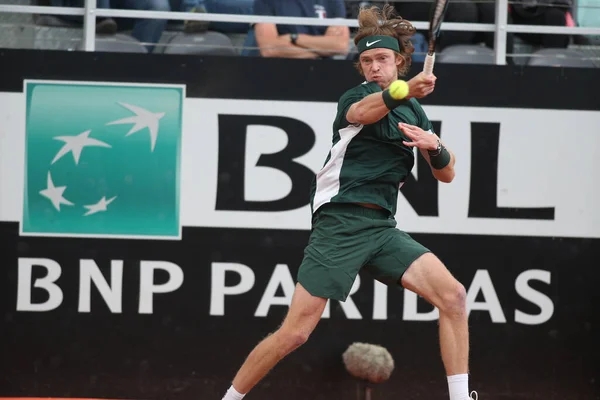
(399,89)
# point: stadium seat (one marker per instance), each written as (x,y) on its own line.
(466,54)
(207,43)
(560,58)
(119,43)
(237,41)
(53,20)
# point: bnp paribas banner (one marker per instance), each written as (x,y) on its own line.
(102,160)
(123,160)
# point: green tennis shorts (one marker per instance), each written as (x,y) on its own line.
(347,237)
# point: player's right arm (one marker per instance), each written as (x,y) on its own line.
(368,110)
(373,107)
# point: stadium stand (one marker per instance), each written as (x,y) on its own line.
(55,33)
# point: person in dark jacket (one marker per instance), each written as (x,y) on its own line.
(542,12)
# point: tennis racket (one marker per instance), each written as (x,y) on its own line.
(438,10)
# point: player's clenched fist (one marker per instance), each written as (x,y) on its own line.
(421,85)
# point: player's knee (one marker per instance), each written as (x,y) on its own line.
(298,338)
(292,339)
(454,300)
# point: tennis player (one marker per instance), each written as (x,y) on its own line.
(354,198)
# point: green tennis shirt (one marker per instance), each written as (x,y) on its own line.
(367,163)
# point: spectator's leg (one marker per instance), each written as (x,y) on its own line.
(189,5)
(194,6)
(103,25)
(555,17)
(68,3)
(149,30)
(459,12)
(106,26)
(487,15)
(240,7)
(530,38)
(551,16)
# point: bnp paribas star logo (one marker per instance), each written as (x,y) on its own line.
(102,160)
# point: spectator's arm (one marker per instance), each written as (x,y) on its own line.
(335,41)
(271,44)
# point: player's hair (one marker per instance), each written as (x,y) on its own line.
(384,21)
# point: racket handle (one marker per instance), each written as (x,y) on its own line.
(428,65)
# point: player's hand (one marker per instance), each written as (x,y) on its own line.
(419,138)
(421,85)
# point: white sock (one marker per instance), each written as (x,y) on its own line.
(233,394)
(458,387)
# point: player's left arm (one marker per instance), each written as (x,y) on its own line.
(438,156)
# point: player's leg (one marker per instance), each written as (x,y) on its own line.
(429,278)
(402,260)
(334,255)
(304,313)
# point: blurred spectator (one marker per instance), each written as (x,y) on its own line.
(298,41)
(147,31)
(472,11)
(543,12)
(242,7)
